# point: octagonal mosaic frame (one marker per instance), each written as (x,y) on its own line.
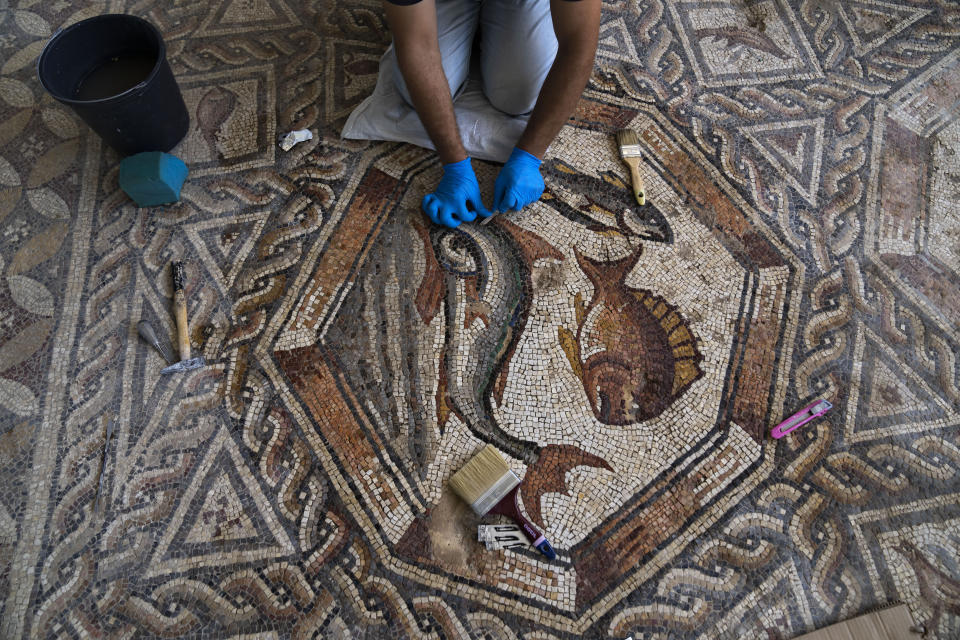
(701,486)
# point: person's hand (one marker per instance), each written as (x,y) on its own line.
(457,196)
(519,182)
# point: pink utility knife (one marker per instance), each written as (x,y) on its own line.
(801,418)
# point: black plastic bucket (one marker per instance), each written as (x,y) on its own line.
(112,71)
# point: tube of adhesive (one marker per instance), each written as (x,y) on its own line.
(800,418)
(501,536)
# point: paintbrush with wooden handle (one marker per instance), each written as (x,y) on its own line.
(630,152)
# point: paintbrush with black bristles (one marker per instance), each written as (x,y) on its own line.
(488,485)
(631,154)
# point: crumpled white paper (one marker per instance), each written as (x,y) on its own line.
(288,141)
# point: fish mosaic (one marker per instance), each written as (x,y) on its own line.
(608,208)
(213,111)
(633,351)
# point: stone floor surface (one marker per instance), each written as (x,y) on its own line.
(801,242)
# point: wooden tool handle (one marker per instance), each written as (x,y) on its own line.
(638,191)
(180,311)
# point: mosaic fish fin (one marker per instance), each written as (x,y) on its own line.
(686,371)
(569,344)
(430,292)
(562,167)
(614,180)
(530,244)
(682,343)
(607,218)
(500,384)
(549,475)
(504,358)
(605,232)
(476,310)
(607,275)
(474,307)
(443,405)
(580,309)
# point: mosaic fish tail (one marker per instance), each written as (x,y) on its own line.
(549,475)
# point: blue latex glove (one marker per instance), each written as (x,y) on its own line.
(457,196)
(519,182)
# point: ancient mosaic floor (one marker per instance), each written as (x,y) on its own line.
(802,242)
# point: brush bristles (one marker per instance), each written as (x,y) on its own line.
(485,471)
(629,143)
